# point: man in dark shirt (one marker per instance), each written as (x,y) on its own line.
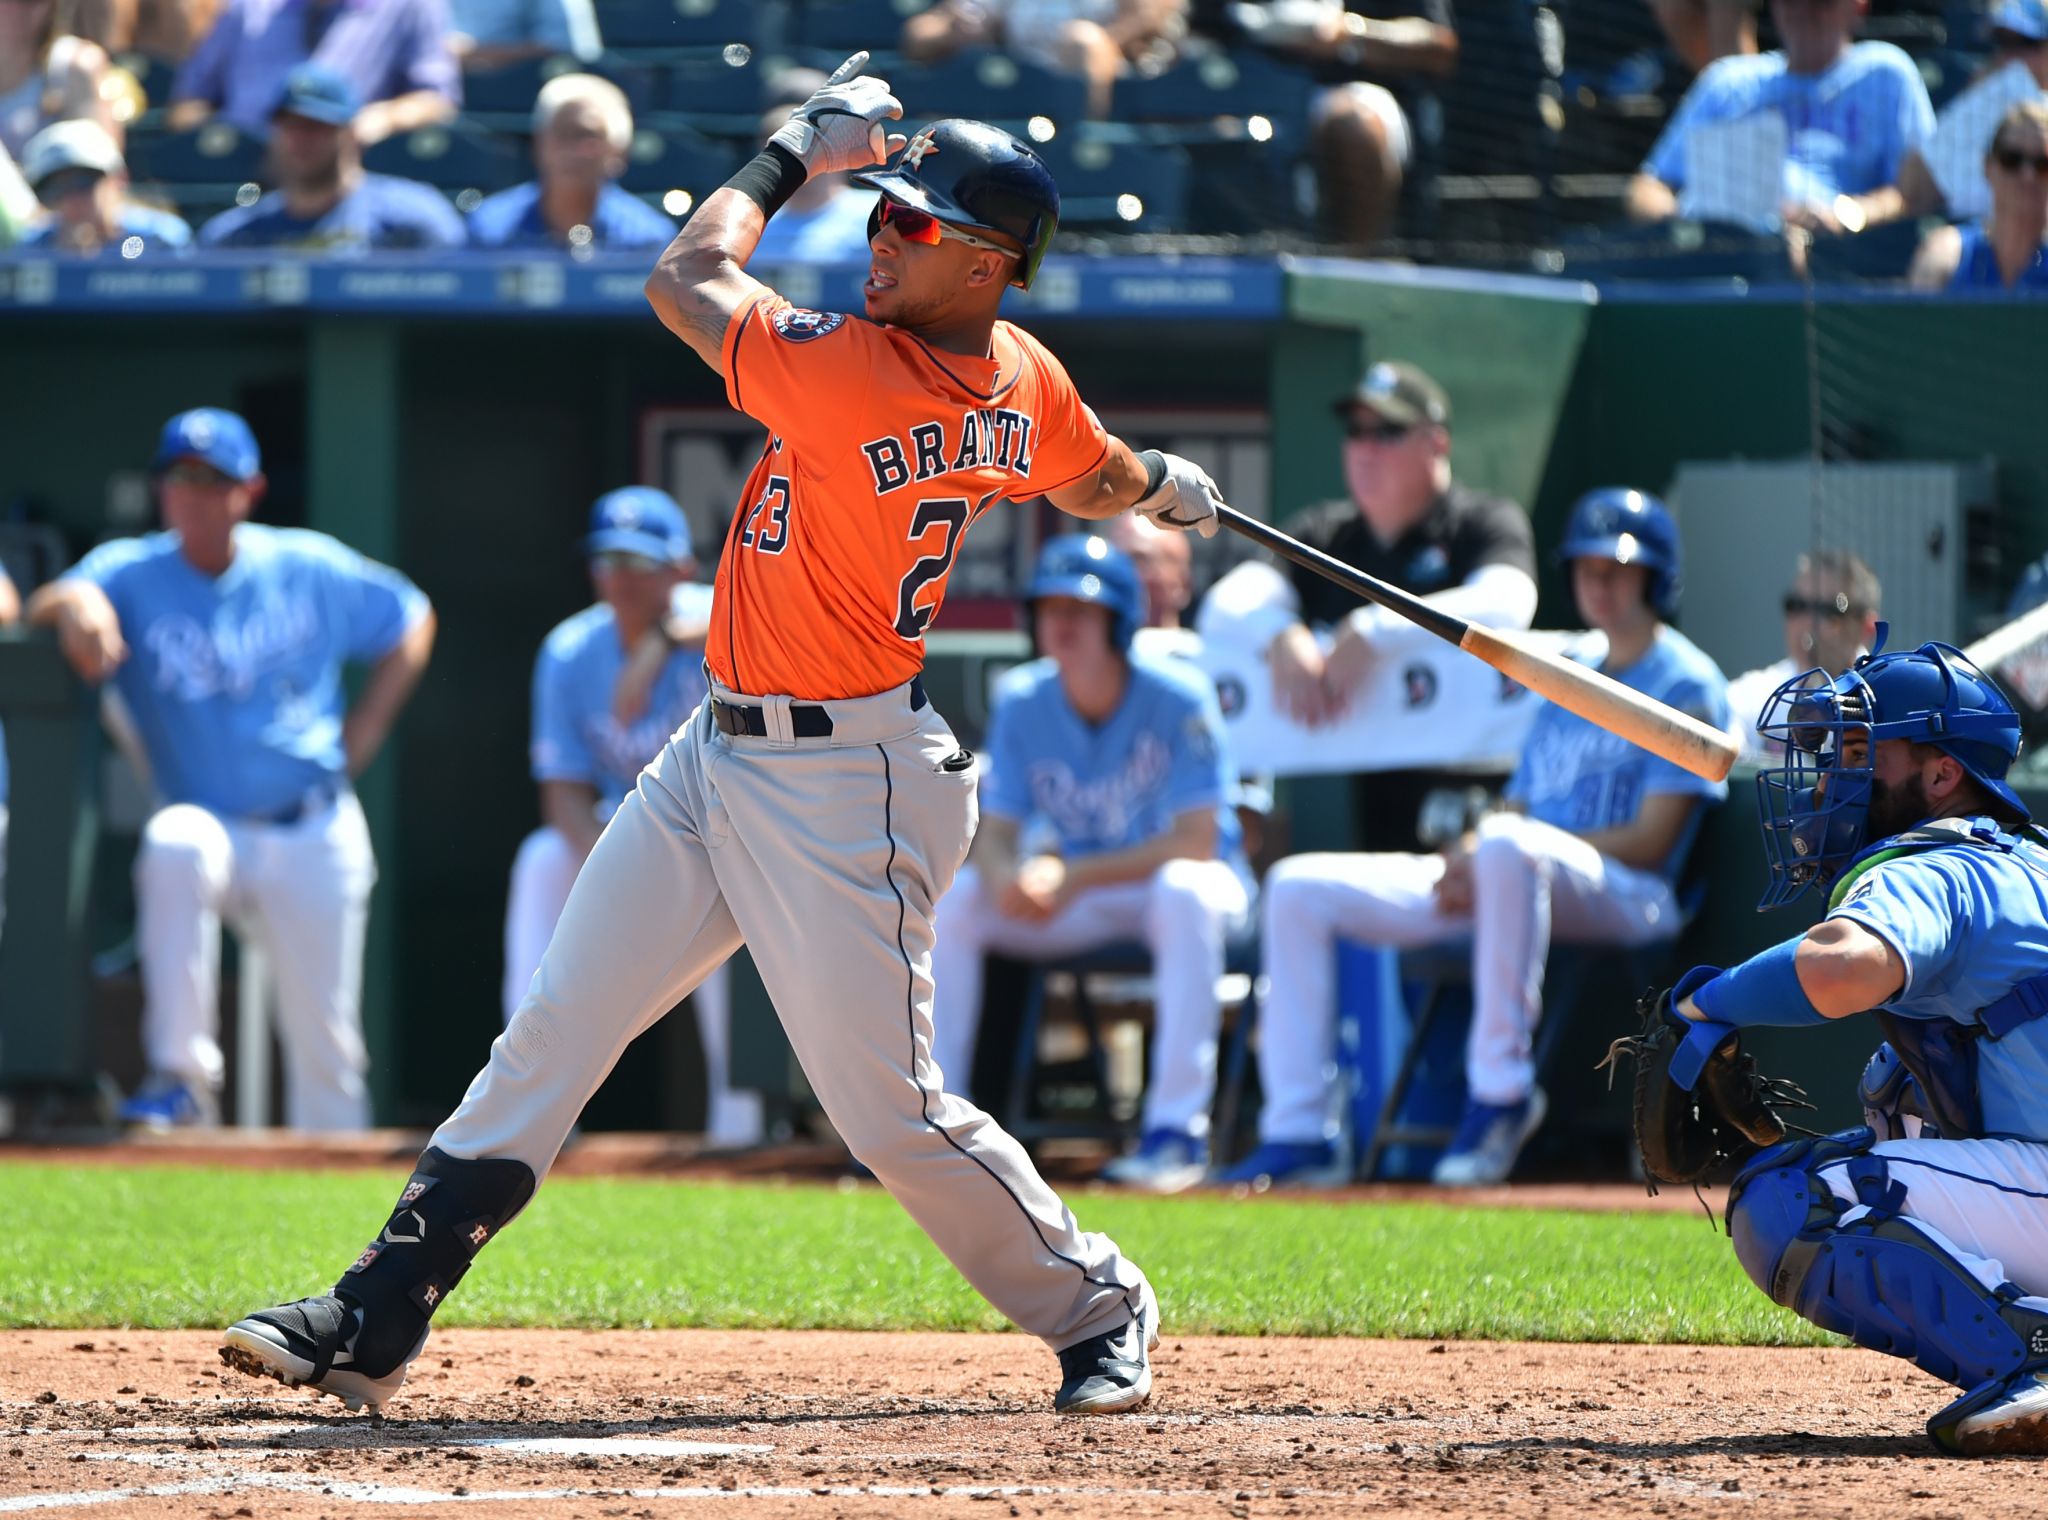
(1409,523)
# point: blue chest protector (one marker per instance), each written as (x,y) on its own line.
(1940,1053)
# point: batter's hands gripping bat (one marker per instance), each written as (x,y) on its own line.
(1664,731)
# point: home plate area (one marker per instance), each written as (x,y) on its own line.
(630,1423)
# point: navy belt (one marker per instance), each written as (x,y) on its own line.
(313,802)
(807,720)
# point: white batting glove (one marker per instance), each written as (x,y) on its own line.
(1186,500)
(840,127)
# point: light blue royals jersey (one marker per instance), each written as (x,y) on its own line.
(1847,130)
(1088,788)
(234,681)
(1580,777)
(1970,924)
(575,735)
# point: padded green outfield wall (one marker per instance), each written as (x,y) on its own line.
(467,451)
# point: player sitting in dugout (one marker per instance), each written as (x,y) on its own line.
(1924,1233)
(1105,816)
(1588,850)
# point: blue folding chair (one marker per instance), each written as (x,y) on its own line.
(1239,84)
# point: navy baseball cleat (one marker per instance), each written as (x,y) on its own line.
(311,1343)
(1107,1374)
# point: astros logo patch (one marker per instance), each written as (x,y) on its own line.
(799,325)
(925,142)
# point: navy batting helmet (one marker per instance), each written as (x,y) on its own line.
(1090,569)
(1631,528)
(969,174)
(1930,695)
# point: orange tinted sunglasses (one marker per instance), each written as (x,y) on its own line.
(915,226)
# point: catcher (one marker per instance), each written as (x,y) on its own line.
(1923,1234)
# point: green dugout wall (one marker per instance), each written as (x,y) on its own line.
(467,451)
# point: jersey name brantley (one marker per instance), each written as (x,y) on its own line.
(982,438)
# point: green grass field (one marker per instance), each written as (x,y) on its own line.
(171,1247)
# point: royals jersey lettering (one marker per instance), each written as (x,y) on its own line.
(882,453)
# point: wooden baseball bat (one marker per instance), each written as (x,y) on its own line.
(1662,730)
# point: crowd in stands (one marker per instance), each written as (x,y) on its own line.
(1839,129)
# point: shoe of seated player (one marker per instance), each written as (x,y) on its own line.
(1110,1373)
(165,1102)
(1489,1141)
(1166,1161)
(312,1343)
(1289,1163)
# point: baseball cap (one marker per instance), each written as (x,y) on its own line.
(1399,392)
(319,93)
(69,145)
(639,520)
(213,436)
(2023,18)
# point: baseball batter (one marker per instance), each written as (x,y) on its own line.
(815,807)
(1925,1234)
(586,752)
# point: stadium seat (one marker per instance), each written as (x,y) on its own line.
(840,26)
(449,158)
(709,87)
(990,87)
(214,154)
(676,23)
(1120,187)
(664,161)
(1239,84)
(511,90)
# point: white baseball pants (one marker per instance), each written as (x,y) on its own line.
(542,873)
(1184,912)
(826,858)
(1986,1200)
(302,890)
(1532,882)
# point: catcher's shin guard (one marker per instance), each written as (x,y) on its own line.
(1886,1282)
(447,1211)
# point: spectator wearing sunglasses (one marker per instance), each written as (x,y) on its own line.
(1831,612)
(601,710)
(1852,111)
(1948,175)
(2008,250)
(79,177)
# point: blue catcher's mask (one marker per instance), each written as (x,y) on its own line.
(1814,803)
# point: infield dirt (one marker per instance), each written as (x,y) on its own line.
(648,1424)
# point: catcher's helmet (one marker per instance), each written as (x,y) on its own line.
(1930,695)
(1632,528)
(970,174)
(1090,569)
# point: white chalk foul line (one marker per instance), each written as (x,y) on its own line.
(378,1493)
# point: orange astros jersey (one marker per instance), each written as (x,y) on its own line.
(882,452)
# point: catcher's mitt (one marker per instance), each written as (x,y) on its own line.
(1728,1115)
